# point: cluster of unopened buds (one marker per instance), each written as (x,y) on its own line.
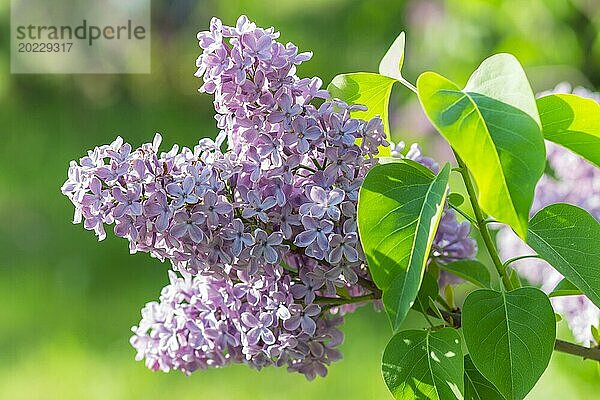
(262,237)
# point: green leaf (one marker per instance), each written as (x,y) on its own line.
(550,172)
(568,237)
(388,160)
(476,386)
(514,278)
(510,337)
(456,199)
(573,122)
(392,61)
(470,270)
(424,365)
(595,333)
(399,209)
(435,309)
(449,295)
(565,288)
(373,90)
(429,288)
(369,89)
(557,317)
(494,127)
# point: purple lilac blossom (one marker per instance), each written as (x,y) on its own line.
(207,321)
(257,233)
(574,181)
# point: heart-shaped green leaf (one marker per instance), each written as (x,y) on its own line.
(391,63)
(424,365)
(494,127)
(573,122)
(568,237)
(476,386)
(399,209)
(369,89)
(510,337)
(565,288)
(470,270)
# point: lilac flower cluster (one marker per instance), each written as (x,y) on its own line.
(207,321)
(575,181)
(263,235)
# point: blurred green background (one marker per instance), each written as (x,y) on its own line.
(68,302)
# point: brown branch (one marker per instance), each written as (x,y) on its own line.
(588,353)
